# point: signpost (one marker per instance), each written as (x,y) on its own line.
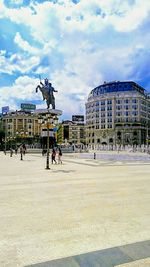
(78,119)
(27,107)
(5,110)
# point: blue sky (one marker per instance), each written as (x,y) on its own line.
(77,44)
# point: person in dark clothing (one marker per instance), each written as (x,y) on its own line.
(59,156)
(53,156)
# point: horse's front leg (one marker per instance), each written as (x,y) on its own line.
(37,88)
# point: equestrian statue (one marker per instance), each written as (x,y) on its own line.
(48,92)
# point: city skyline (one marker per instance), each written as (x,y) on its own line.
(77,45)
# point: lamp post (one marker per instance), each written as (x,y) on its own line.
(49,120)
(5,136)
(47,156)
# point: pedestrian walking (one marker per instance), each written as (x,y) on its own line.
(53,156)
(59,156)
(24,149)
(21,152)
(16,151)
(44,151)
(11,152)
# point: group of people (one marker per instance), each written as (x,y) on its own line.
(53,156)
(22,150)
(54,153)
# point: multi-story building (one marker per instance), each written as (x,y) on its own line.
(71,132)
(118,113)
(21,124)
(25,126)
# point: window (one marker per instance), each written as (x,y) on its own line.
(102,114)
(126,107)
(109,125)
(134,106)
(119,107)
(134,113)
(118,114)
(102,102)
(118,101)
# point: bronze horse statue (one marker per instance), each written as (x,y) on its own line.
(47,92)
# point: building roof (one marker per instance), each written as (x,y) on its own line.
(117,86)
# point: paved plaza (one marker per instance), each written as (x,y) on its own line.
(84,213)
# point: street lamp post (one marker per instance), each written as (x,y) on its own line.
(5,136)
(50,120)
(47,157)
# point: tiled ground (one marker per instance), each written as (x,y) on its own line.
(81,206)
(107,258)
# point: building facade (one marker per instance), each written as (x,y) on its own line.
(21,125)
(72,133)
(118,113)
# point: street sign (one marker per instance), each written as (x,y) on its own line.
(5,109)
(78,118)
(28,107)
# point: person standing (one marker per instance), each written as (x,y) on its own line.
(24,149)
(11,152)
(53,156)
(59,156)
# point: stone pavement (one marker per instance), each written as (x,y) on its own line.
(85,212)
(128,254)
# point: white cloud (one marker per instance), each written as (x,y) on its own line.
(49,19)
(76,56)
(16,2)
(132,16)
(17,62)
(24,45)
(23,89)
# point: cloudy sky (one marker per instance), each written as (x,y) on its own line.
(77,44)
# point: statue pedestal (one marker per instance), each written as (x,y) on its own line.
(52,112)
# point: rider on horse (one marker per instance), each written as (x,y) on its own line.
(47,92)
